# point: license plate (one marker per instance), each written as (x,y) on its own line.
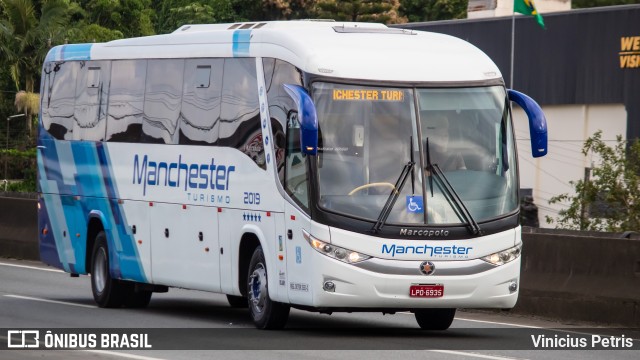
(426,291)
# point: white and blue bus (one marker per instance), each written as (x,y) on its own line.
(318,165)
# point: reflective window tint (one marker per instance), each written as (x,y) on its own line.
(126,99)
(90,104)
(93,80)
(201,106)
(240,113)
(60,93)
(203,76)
(163,97)
(277,73)
(296,174)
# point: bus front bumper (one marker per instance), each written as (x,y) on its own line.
(466,284)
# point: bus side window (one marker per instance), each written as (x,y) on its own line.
(58,106)
(277,73)
(162,100)
(201,102)
(126,100)
(240,113)
(92,88)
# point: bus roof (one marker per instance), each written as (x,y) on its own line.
(365,51)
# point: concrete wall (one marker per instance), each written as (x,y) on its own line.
(565,275)
(568,275)
(19,227)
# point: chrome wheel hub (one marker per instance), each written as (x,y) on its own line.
(258,288)
(100,270)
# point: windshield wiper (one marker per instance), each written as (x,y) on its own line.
(393,196)
(450,193)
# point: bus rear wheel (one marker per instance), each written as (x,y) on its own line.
(435,319)
(107,292)
(265,313)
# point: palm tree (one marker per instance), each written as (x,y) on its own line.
(28,103)
(26,33)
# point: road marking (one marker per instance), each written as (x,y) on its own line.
(31,267)
(528,326)
(475,355)
(485,321)
(50,301)
(124,355)
(500,323)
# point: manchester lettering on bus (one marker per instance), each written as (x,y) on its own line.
(172,174)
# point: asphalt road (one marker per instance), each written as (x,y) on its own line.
(33,296)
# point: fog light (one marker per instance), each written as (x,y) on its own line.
(329,286)
(513,286)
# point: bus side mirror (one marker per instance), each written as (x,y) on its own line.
(537,122)
(307,118)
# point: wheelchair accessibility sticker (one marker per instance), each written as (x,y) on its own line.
(415,204)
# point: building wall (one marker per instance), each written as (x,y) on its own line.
(569,126)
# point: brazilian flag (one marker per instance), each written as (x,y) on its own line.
(526,7)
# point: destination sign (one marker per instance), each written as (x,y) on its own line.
(368,95)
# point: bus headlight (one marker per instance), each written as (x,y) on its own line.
(505,256)
(336,252)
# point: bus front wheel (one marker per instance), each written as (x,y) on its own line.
(265,313)
(435,319)
(107,292)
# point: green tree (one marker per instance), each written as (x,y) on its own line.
(431,10)
(172,14)
(610,199)
(130,17)
(89,33)
(26,32)
(86,26)
(27,29)
(269,10)
(355,10)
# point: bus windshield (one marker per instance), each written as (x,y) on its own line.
(368,135)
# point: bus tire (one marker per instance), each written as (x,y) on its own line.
(237,301)
(107,292)
(265,313)
(136,298)
(435,319)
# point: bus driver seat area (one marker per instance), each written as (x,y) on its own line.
(340,163)
(388,150)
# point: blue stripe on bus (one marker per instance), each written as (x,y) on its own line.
(130,264)
(76,52)
(241,42)
(70,52)
(48,249)
(64,214)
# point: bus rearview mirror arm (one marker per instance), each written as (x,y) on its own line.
(537,122)
(307,118)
